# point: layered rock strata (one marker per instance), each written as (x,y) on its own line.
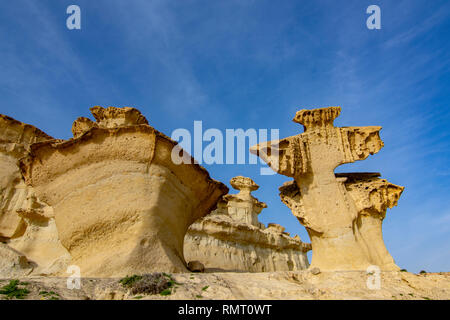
(232,238)
(121,205)
(342,213)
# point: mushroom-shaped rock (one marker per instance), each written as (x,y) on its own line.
(322,202)
(112,117)
(243,184)
(243,206)
(121,205)
(275,227)
(232,238)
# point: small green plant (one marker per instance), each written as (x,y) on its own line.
(412,295)
(422,271)
(403,270)
(152,283)
(199,296)
(52,295)
(172,285)
(128,281)
(166,292)
(138,297)
(204,288)
(172,282)
(12,290)
(426,298)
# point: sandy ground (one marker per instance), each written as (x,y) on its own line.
(256,286)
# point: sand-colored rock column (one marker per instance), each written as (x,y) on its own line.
(323,204)
(372,197)
(243,207)
(121,205)
(231,237)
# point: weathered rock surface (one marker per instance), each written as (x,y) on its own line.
(13,264)
(342,214)
(258,286)
(121,205)
(40,242)
(15,140)
(232,238)
(372,196)
(26,224)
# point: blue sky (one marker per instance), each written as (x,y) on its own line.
(252,64)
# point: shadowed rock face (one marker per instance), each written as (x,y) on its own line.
(233,239)
(342,214)
(121,205)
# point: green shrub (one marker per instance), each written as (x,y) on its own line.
(152,283)
(52,295)
(166,292)
(12,290)
(128,281)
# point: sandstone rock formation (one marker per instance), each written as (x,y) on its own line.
(232,238)
(26,224)
(13,263)
(40,242)
(121,206)
(15,140)
(342,213)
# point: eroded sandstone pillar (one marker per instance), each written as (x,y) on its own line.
(121,205)
(243,207)
(231,237)
(344,236)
